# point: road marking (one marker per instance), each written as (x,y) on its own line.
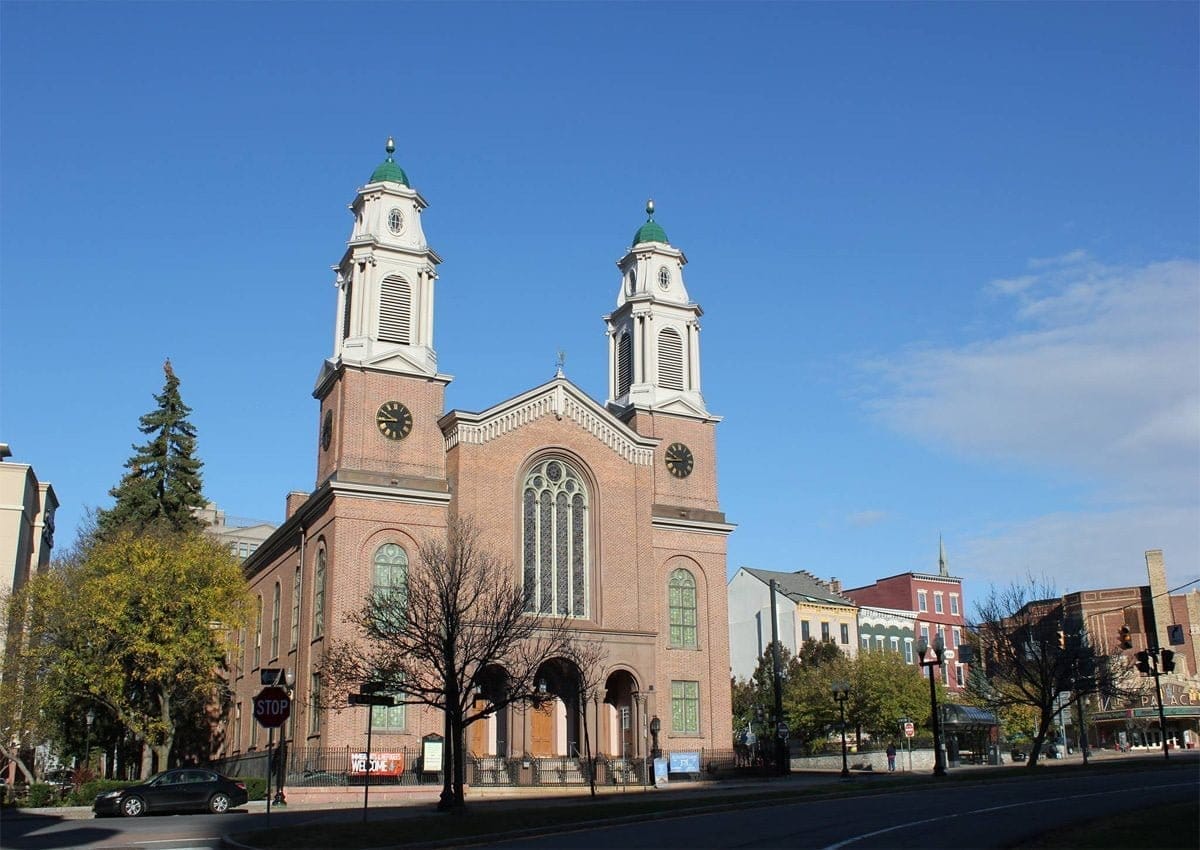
(1023,804)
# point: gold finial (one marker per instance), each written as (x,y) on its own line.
(391,146)
(650,207)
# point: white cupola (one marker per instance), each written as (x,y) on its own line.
(385,279)
(654,334)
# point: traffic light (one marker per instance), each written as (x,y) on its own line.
(1168,661)
(1126,640)
(1143,662)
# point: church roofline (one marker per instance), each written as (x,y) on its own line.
(560,398)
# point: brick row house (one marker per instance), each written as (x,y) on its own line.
(935,604)
(608,512)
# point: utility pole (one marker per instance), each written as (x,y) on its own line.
(781,760)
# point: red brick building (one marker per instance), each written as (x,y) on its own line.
(937,603)
(608,512)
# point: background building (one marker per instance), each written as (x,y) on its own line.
(936,603)
(27,508)
(887,630)
(242,536)
(806,607)
(608,512)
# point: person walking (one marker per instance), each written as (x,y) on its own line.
(891,754)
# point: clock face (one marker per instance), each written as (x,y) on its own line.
(679,460)
(394,420)
(327,430)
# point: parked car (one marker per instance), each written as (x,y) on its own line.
(182,789)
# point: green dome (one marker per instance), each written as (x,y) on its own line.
(388,171)
(651,231)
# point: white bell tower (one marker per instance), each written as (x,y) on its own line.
(654,334)
(385,279)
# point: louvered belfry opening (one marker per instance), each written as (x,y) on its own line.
(395,311)
(624,364)
(670,359)
(346,313)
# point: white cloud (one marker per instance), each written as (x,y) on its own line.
(1078,551)
(1096,379)
(1100,376)
(865,519)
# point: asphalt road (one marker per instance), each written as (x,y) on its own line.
(992,815)
(961,816)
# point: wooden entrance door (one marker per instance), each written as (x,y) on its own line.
(541,733)
(478,739)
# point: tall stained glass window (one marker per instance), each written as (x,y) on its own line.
(554,547)
(391,570)
(682,603)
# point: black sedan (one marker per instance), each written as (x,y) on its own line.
(182,789)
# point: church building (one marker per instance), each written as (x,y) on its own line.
(608,511)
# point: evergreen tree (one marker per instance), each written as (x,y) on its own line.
(162,486)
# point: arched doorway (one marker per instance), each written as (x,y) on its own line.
(619,733)
(489,736)
(555,718)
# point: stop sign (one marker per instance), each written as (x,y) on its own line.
(272,706)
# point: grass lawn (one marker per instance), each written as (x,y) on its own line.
(1162,828)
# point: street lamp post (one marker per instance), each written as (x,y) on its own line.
(287,679)
(841,693)
(90,717)
(939,650)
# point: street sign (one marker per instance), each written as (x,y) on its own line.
(272,707)
(371,699)
(782,729)
(909,730)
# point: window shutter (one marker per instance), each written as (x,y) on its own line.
(624,364)
(395,311)
(670,359)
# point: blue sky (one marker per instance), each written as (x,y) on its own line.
(949,255)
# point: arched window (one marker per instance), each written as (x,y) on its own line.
(296,609)
(275,622)
(258,634)
(682,603)
(670,359)
(555,540)
(624,363)
(391,571)
(318,627)
(395,310)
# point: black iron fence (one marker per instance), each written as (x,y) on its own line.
(316,767)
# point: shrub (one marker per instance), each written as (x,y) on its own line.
(83,795)
(41,794)
(256,786)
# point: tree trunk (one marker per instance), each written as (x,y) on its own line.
(447,796)
(163,748)
(14,756)
(460,759)
(587,745)
(147,769)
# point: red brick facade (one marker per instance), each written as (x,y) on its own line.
(642,525)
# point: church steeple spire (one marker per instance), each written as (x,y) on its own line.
(386,278)
(654,334)
(943,569)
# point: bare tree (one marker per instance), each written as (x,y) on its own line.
(1031,656)
(589,657)
(459,627)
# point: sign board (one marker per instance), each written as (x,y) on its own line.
(270,676)
(272,707)
(382,764)
(1175,635)
(909,729)
(684,763)
(782,729)
(660,773)
(431,756)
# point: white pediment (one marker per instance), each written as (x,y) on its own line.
(558,398)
